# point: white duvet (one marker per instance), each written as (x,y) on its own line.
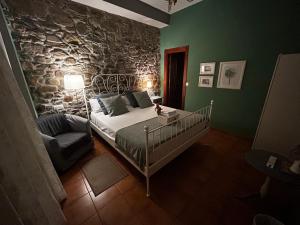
(110,125)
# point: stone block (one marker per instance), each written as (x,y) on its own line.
(53,38)
(58,53)
(59,73)
(68,98)
(53,81)
(60,18)
(70,61)
(72,39)
(47,88)
(81,28)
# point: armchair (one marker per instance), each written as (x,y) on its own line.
(66,137)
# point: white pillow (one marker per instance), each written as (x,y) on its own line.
(95,105)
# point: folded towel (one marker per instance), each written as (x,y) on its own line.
(169,112)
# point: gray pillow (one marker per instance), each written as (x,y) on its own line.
(102,96)
(143,99)
(115,105)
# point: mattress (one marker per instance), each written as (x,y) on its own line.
(136,116)
(110,125)
(131,140)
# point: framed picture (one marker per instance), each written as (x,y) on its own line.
(206,81)
(231,74)
(207,68)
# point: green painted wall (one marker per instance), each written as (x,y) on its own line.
(227,30)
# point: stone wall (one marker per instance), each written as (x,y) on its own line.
(58,37)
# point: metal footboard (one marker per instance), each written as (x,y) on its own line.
(180,126)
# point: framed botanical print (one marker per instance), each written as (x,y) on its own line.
(231,74)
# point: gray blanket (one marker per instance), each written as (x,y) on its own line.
(131,140)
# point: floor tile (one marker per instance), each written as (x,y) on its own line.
(127,183)
(198,214)
(74,189)
(116,212)
(172,201)
(88,187)
(80,210)
(94,220)
(133,221)
(105,197)
(153,214)
(71,175)
(137,199)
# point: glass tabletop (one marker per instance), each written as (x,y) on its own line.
(259,158)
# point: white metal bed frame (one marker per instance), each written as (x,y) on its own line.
(192,126)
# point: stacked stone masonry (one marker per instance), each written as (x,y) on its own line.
(58,37)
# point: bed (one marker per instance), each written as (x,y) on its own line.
(138,136)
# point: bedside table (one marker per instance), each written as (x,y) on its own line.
(157,99)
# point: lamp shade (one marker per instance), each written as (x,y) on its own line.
(73,82)
(149,84)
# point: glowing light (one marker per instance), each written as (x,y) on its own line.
(73,82)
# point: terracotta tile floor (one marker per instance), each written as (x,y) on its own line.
(198,187)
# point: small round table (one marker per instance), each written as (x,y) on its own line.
(259,158)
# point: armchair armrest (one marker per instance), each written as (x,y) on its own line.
(53,150)
(50,143)
(78,123)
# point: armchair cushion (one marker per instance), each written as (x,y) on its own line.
(78,123)
(70,142)
(54,124)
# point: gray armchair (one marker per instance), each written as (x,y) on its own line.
(66,137)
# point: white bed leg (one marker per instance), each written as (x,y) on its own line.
(210,109)
(148,186)
(146,129)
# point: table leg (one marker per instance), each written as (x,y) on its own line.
(265,188)
(263,192)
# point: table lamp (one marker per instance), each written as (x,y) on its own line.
(149,86)
(73,82)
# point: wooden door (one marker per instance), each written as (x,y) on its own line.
(175,76)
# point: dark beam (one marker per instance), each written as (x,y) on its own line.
(142,9)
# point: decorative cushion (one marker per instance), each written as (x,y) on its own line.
(70,142)
(129,95)
(125,99)
(102,96)
(95,106)
(143,99)
(53,124)
(115,105)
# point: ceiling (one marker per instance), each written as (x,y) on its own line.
(114,9)
(163,4)
(151,12)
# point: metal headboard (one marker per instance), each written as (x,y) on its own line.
(112,83)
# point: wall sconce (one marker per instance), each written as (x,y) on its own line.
(75,82)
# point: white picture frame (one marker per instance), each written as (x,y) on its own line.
(231,74)
(206,81)
(207,68)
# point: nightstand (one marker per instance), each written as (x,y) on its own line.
(157,99)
